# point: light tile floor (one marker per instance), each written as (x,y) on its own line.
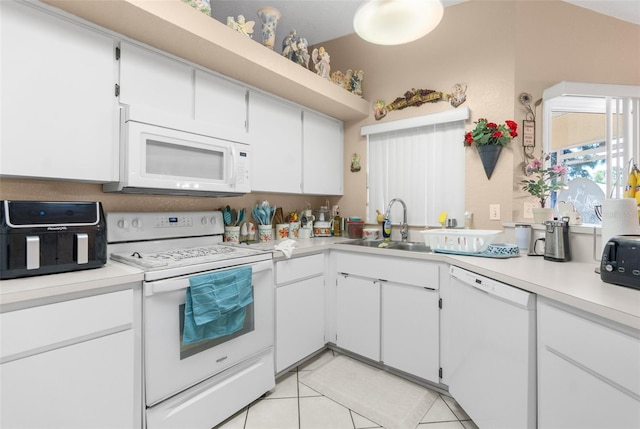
(292,405)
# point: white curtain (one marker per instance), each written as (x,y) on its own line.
(423,166)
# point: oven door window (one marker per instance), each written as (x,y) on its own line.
(195,348)
(178,160)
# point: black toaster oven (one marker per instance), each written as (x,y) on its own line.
(39,237)
(620,262)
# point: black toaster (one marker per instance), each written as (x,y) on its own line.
(39,237)
(620,262)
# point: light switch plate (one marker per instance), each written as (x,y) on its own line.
(528,210)
(494,211)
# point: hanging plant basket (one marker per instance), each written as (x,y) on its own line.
(489,155)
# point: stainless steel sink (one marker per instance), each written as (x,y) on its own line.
(393,245)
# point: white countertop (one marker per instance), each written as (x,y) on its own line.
(572,283)
(37,290)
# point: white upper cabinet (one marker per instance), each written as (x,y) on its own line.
(322,155)
(223,104)
(156,82)
(275,133)
(59,110)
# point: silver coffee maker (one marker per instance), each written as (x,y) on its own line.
(556,246)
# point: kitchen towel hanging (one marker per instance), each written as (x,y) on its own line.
(215,304)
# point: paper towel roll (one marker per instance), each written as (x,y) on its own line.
(619,216)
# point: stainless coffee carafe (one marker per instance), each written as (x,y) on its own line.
(557,240)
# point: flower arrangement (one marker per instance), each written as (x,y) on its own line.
(543,181)
(490,133)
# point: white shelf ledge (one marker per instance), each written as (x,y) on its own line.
(177,28)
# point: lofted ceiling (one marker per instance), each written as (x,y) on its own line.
(322,20)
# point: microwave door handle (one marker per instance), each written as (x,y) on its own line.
(232,179)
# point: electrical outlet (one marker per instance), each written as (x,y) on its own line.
(494,211)
(528,210)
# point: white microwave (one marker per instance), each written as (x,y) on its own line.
(165,159)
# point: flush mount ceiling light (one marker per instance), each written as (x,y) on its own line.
(394,22)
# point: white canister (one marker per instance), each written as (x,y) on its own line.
(294,229)
(523,237)
(282,231)
(322,229)
(232,234)
(265,233)
(371,234)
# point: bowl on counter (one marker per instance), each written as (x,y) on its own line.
(371,234)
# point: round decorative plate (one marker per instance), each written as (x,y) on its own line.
(585,195)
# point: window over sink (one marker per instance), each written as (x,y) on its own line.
(421,161)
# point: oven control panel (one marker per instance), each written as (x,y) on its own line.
(135,226)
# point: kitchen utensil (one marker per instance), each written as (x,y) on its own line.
(278,217)
(556,247)
(234,217)
(240,217)
(226,215)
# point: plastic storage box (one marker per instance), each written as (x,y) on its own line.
(460,240)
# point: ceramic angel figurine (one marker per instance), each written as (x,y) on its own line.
(241,25)
(355,84)
(321,61)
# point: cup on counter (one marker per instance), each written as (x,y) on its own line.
(232,234)
(371,234)
(265,233)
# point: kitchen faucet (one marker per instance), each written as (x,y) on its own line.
(404,232)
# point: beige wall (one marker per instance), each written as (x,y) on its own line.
(499,49)
(49,190)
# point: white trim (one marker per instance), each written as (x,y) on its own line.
(460,114)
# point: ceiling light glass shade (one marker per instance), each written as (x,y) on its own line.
(394,22)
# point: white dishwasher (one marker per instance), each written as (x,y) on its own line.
(489,361)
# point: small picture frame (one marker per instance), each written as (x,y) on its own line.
(528,133)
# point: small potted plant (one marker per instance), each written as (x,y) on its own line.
(489,138)
(541,181)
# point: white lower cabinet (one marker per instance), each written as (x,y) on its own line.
(70,365)
(410,329)
(588,371)
(358,316)
(300,309)
(387,310)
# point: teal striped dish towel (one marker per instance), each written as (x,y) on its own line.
(216,303)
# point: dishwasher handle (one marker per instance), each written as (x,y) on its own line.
(493,287)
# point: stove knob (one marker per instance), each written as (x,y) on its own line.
(123,224)
(213,220)
(136,223)
(204,220)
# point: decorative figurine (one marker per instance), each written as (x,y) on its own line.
(321,61)
(295,49)
(355,81)
(418,97)
(203,6)
(458,95)
(241,25)
(355,163)
(269,17)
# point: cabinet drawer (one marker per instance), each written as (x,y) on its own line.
(299,268)
(600,349)
(63,322)
(399,270)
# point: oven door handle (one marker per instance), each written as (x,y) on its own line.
(171,285)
